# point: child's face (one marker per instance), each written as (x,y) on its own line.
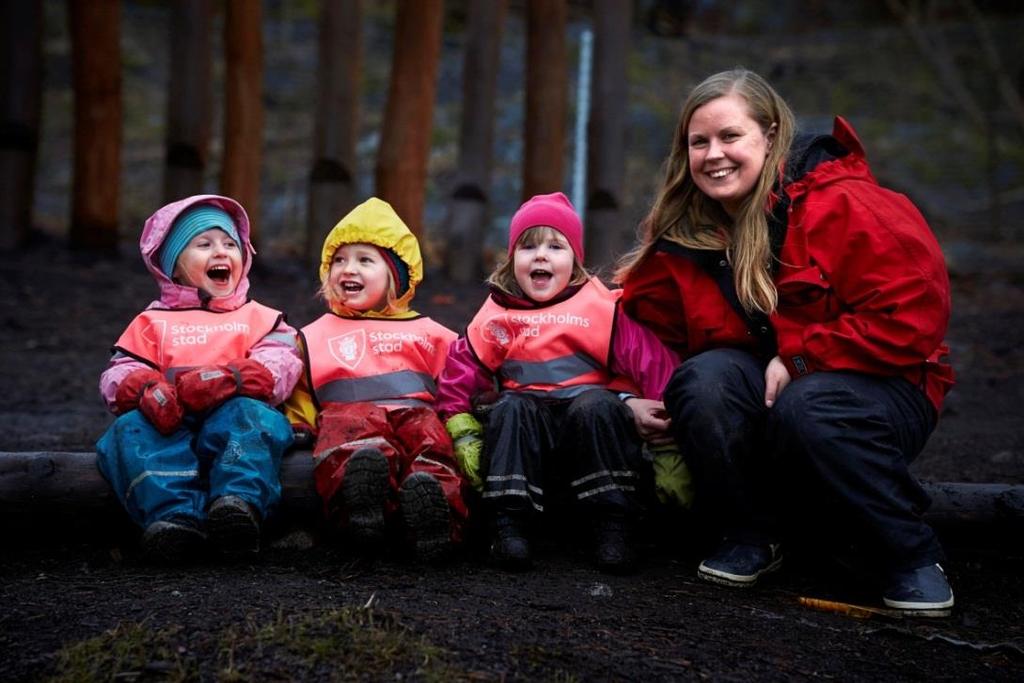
(542,264)
(212,261)
(359,277)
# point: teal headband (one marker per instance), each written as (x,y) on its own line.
(191,222)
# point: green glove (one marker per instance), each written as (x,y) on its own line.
(673,483)
(467,435)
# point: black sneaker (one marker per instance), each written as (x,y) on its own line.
(173,540)
(921,592)
(613,551)
(425,511)
(511,549)
(234,527)
(364,490)
(740,564)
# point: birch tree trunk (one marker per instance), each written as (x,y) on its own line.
(96,62)
(243,106)
(546,106)
(401,170)
(469,210)
(607,235)
(189,98)
(332,180)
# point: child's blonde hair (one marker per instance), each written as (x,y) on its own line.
(504,278)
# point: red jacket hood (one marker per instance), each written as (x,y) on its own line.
(823,159)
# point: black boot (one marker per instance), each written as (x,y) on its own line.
(613,551)
(234,527)
(510,549)
(364,491)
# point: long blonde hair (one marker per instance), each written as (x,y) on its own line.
(504,277)
(683,214)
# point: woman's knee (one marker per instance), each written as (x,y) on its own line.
(710,381)
(814,411)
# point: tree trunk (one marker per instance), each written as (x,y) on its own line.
(469,210)
(21,77)
(243,106)
(607,236)
(546,106)
(36,480)
(332,181)
(401,173)
(189,98)
(96,62)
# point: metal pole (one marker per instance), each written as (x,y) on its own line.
(579,164)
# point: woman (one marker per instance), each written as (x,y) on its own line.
(809,305)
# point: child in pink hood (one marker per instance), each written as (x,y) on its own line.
(197,444)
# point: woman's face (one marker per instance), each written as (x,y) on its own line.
(727,150)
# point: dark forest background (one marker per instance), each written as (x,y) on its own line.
(933,87)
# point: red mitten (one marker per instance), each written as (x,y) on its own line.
(255,381)
(205,387)
(129,391)
(209,386)
(159,403)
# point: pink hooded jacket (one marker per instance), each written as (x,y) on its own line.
(277,351)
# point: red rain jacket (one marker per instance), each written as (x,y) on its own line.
(862,281)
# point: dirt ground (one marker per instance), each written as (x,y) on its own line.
(77,601)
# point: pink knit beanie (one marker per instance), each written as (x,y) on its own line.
(553,210)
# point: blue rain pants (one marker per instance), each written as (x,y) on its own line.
(236,450)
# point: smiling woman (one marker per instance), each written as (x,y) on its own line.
(809,305)
(727,150)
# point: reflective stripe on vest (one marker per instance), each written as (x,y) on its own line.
(387,386)
(556,371)
(371,359)
(175,339)
(559,349)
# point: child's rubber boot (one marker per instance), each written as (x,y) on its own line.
(364,491)
(427,518)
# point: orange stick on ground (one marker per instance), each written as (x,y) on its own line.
(846,609)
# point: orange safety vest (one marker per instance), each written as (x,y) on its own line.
(562,349)
(392,361)
(177,339)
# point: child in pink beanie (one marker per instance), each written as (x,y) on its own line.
(565,361)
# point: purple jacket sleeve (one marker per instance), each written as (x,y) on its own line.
(279,353)
(462,378)
(120,367)
(639,355)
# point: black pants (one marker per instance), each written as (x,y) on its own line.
(583,451)
(832,454)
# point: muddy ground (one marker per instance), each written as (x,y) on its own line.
(76,599)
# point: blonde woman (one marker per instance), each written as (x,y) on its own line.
(809,305)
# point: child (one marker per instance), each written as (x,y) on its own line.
(565,359)
(369,388)
(197,445)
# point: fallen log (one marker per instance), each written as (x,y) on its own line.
(64,479)
(32,480)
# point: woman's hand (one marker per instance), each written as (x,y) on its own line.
(776,377)
(651,419)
